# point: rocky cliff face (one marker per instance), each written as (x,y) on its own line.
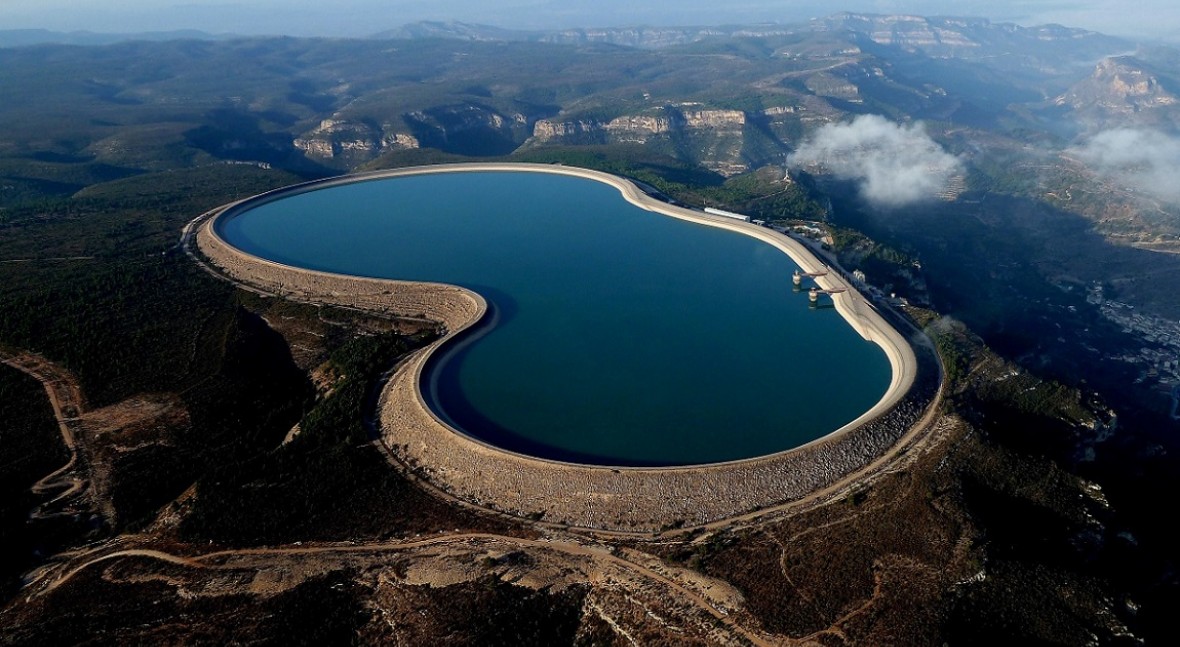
(460,128)
(645,37)
(468,129)
(830,85)
(833,65)
(716,138)
(724,140)
(715,119)
(546,130)
(1122,91)
(639,129)
(1045,46)
(936,36)
(352,141)
(912,32)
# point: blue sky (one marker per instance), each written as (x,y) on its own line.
(1139,18)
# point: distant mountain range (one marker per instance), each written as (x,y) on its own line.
(934,36)
(951,36)
(25,37)
(730,99)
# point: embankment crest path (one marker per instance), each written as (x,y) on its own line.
(605,498)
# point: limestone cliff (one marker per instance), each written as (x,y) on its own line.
(715,119)
(965,37)
(715,138)
(468,129)
(824,84)
(464,128)
(1123,91)
(352,140)
(546,129)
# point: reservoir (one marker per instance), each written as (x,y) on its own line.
(615,335)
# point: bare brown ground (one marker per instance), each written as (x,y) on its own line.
(674,600)
(841,571)
(94,438)
(135,424)
(635,594)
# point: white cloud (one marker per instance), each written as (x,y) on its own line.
(1146,161)
(892,164)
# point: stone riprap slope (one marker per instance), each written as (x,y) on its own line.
(634,499)
(453,307)
(623,499)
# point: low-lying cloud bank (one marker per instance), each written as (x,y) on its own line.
(1145,161)
(893,164)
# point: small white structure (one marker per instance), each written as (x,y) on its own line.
(727,214)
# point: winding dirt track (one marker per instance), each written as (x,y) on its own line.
(68,402)
(66,397)
(220,560)
(599,553)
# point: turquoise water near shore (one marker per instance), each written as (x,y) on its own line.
(619,336)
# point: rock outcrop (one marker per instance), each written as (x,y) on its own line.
(716,138)
(962,37)
(352,140)
(1122,91)
(829,85)
(465,128)
(1119,86)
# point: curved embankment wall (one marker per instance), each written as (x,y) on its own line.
(640,499)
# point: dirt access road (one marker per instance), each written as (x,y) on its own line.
(68,402)
(618,562)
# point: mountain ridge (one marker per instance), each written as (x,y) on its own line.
(904,30)
(29,37)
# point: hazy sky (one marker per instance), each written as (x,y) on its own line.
(1136,18)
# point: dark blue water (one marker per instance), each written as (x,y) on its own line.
(622,336)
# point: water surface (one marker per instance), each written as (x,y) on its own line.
(620,336)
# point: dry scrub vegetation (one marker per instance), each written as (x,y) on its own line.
(937,546)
